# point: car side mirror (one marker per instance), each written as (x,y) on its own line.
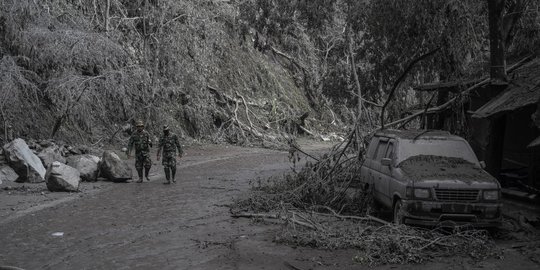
(482,164)
(386,162)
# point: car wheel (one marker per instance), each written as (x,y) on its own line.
(398,212)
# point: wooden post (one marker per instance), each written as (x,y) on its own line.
(495,146)
(442,97)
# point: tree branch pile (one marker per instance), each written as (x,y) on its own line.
(321,206)
(325,181)
(376,241)
(386,243)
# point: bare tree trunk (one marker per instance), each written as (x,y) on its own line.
(496,42)
(96,14)
(357,81)
(4,125)
(495,147)
(107,9)
(359,89)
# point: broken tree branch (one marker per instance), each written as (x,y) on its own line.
(400,78)
(290,58)
(366,101)
(223,98)
(247,110)
(254,215)
(447,104)
(366,218)
(369,102)
(301,151)
(274,216)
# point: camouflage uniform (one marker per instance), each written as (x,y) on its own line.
(169,144)
(140,140)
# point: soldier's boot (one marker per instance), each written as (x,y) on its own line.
(146,172)
(167,176)
(140,173)
(173,174)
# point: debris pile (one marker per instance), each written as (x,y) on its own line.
(323,206)
(61,166)
(325,181)
(379,243)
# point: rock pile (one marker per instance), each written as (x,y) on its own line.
(66,165)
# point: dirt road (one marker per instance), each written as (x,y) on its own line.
(182,226)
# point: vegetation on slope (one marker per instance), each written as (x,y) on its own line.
(237,71)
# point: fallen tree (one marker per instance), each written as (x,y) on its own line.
(323,205)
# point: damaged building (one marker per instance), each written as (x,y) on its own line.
(503,129)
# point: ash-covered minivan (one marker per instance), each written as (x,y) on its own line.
(430,178)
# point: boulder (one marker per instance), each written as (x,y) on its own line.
(61,177)
(7,174)
(87,165)
(24,162)
(50,155)
(113,168)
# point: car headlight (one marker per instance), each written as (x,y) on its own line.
(491,195)
(421,193)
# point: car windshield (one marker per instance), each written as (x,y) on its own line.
(436,147)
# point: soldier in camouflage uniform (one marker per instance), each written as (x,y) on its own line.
(140,139)
(169,144)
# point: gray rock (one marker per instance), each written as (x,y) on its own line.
(50,155)
(61,177)
(87,165)
(7,174)
(24,162)
(113,168)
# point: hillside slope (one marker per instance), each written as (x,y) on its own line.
(84,70)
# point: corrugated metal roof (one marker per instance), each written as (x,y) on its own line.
(515,97)
(523,90)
